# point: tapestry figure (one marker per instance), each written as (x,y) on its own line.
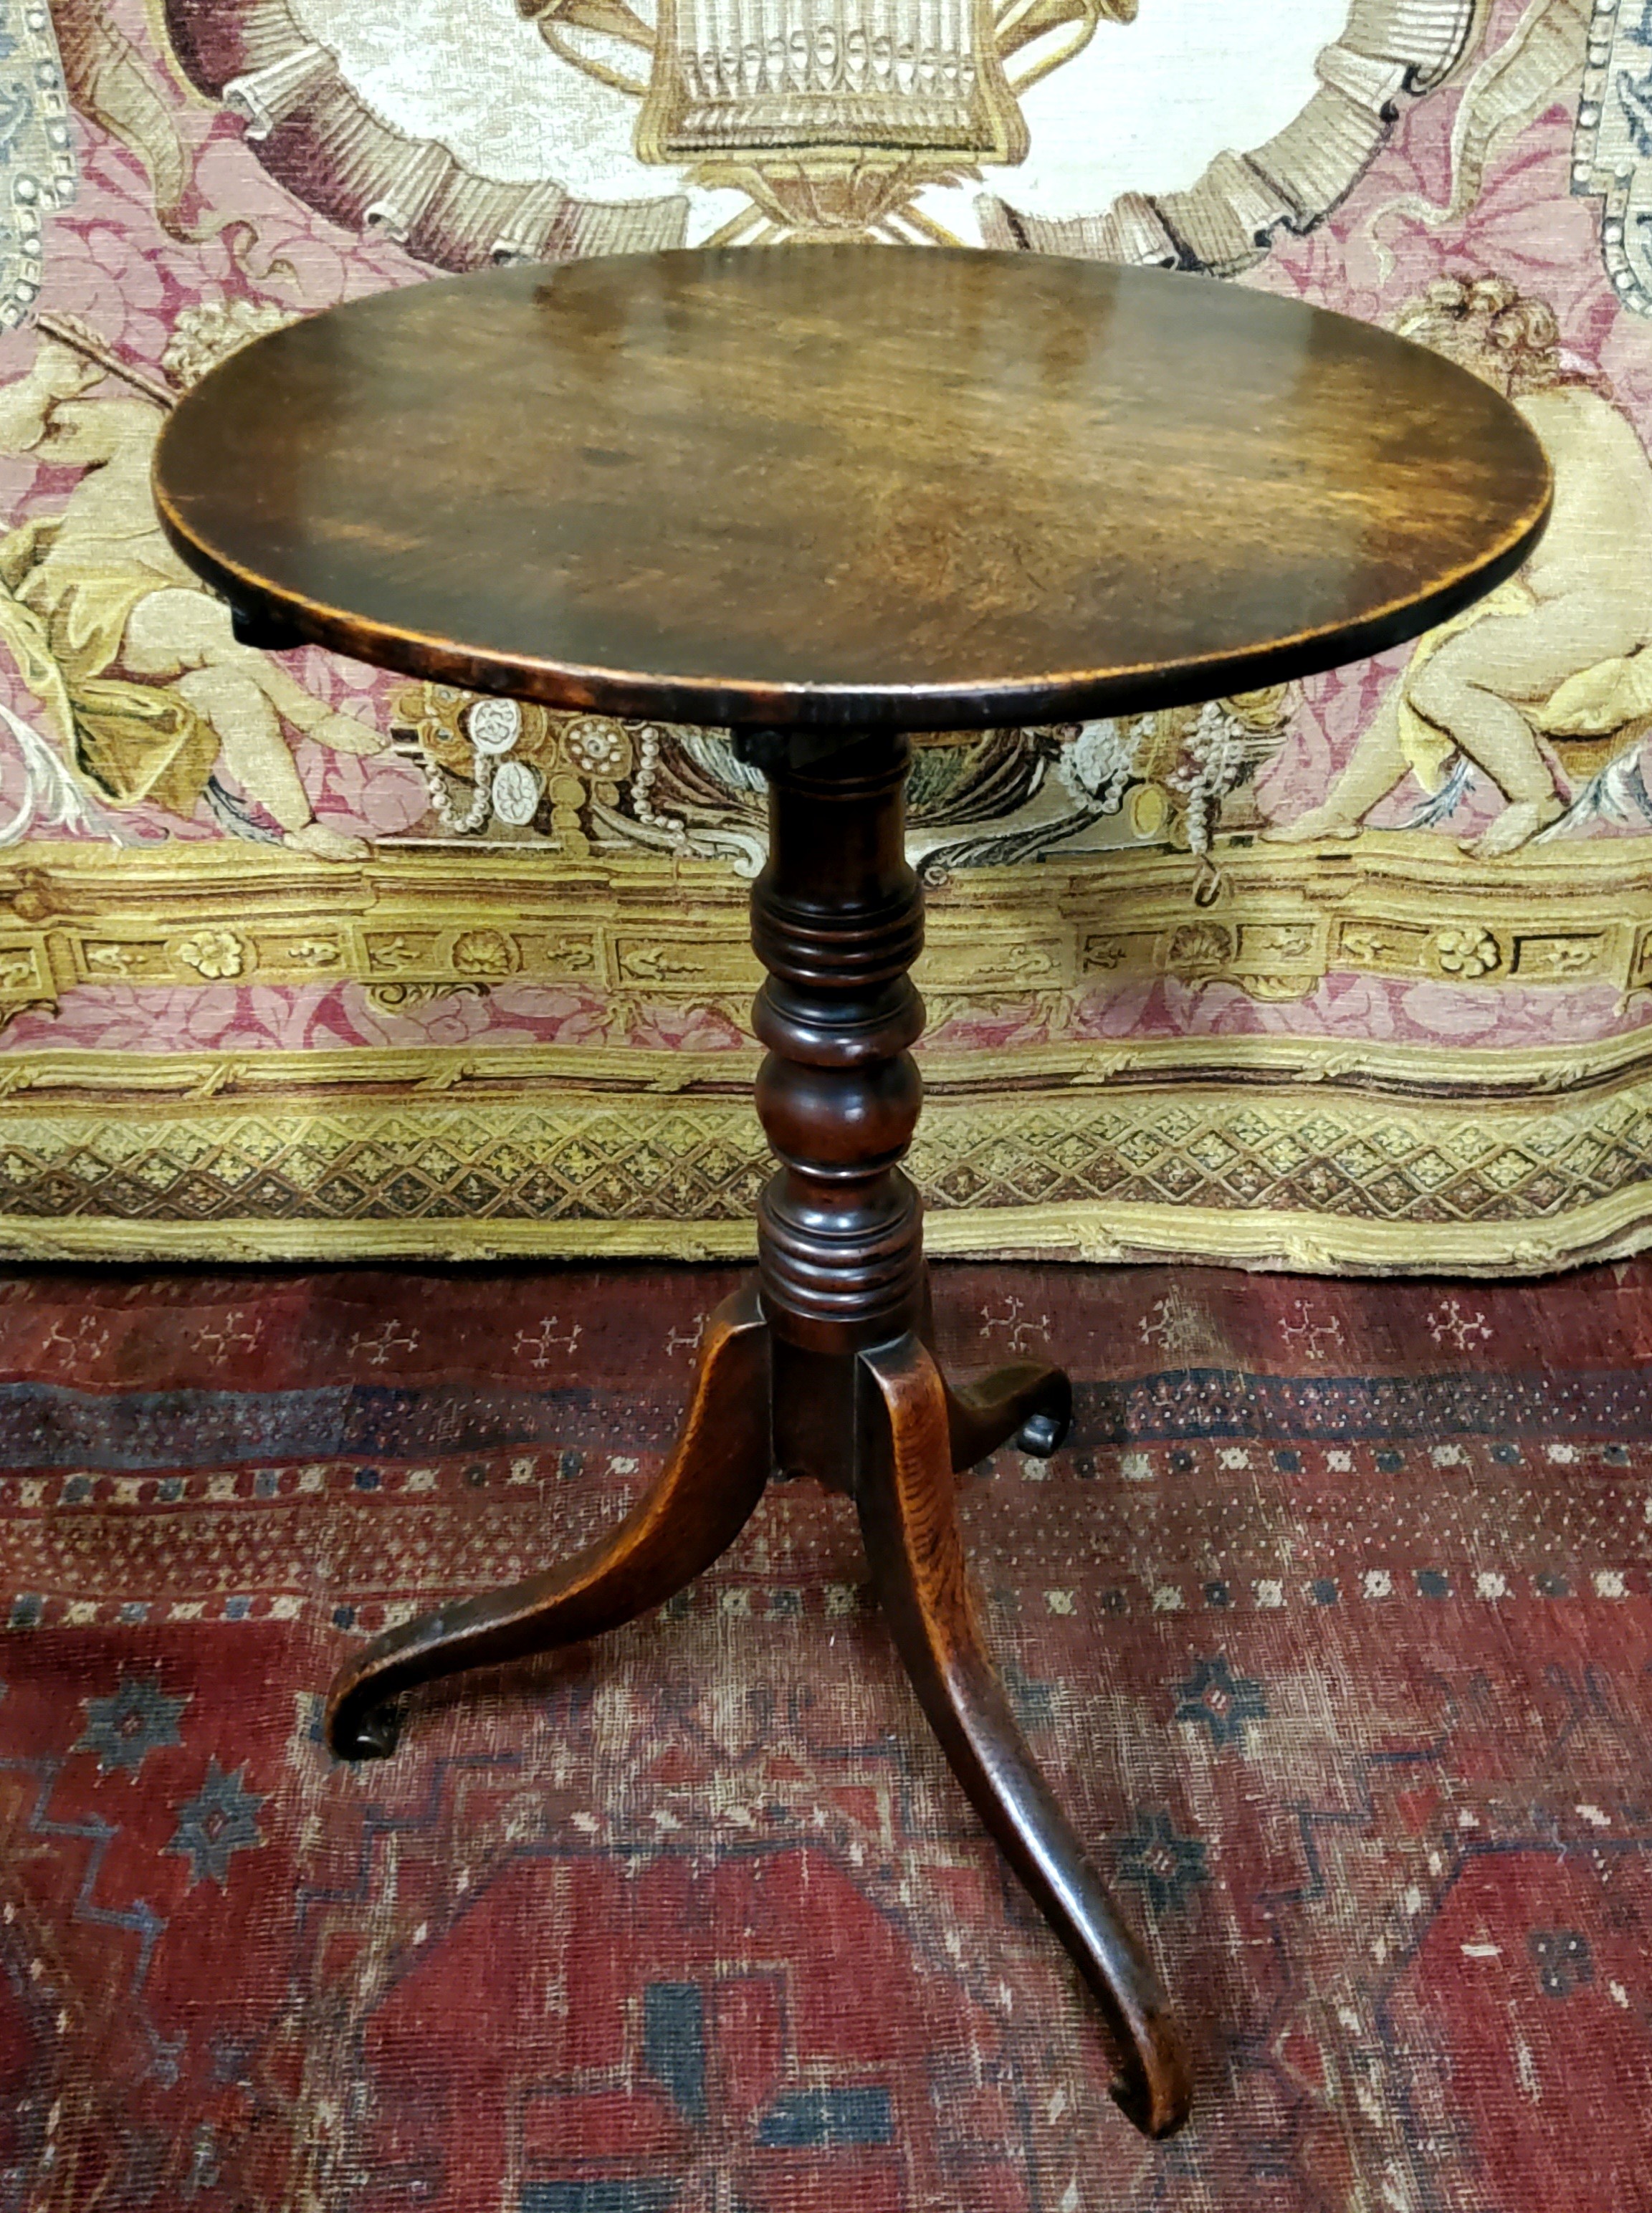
(1549,649)
(135,663)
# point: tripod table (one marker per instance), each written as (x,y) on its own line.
(823,498)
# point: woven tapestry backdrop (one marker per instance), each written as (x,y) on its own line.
(299,959)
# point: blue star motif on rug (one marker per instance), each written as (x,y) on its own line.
(1161,1862)
(1222,1701)
(221,1819)
(137,1719)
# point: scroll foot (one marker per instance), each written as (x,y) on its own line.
(1030,1404)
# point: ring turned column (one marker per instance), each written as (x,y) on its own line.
(838,921)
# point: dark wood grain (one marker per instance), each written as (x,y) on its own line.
(703,1499)
(904,1494)
(846,485)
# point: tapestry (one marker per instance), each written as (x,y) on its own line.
(1333,1628)
(301,958)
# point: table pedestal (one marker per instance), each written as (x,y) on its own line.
(822,1366)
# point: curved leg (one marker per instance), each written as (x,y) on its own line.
(904,1490)
(1023,1399)
(1030,1404)
(693,1513)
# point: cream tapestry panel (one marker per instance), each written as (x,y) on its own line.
(298,958)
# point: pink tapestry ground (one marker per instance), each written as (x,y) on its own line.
(326,909)
(1333,1628)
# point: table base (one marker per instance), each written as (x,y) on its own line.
(821,1366)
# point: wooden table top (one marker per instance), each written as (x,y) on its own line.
(847,485)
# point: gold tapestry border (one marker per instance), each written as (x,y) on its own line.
(1320,1177)
(1614,1228)
(645,931)
(1262,1149)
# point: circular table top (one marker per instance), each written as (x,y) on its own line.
(847,485)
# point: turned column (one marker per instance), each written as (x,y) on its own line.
(837,920)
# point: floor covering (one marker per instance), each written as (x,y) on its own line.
(1333,1626)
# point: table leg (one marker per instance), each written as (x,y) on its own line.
(691,1515)
(1030,1404)
(904,1495)
(837,920)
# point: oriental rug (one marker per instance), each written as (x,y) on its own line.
(1333,1626)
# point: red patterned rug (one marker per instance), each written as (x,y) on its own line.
(1333,1627)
